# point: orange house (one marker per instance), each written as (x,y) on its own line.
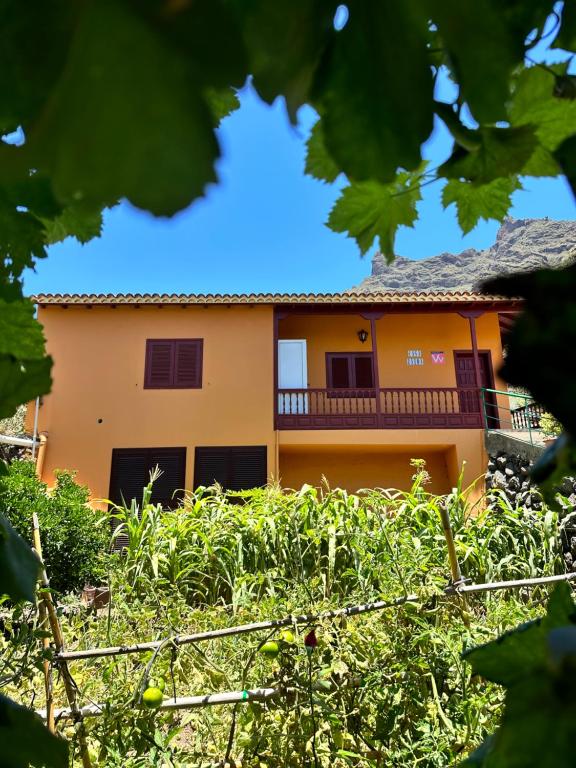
(242,389)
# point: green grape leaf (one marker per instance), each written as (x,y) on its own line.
(22,240)
(22,381)
(319,164)
(538,726)
(75,221)
(19,566)
(542,343)
(376,99)
(565,154)
(33,192)
(222,102)
(502,152)
(20,334)
(126,120)
(206,32)
(285,40)
(520,653)
(566,37)
(368,210)
(33,50)
(484,42)
(26,741)
(534,103)
(480,201)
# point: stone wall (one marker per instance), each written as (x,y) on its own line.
(508,474)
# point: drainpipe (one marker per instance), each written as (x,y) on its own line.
(41,454)
(35,432)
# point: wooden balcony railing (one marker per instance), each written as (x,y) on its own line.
(395,408)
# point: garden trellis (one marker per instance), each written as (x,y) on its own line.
(456,588)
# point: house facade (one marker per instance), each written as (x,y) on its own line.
(242,389)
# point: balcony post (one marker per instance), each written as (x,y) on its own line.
(275,322)
(472,315)
(372,317)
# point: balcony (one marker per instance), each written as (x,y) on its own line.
(388,408)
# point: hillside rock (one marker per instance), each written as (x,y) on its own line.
(521,245)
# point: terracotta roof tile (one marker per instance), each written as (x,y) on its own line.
(379,297)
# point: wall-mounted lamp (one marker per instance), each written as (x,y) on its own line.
(362,335)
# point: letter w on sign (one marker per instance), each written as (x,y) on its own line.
(437,357)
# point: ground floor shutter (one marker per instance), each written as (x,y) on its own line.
(236,468)
(130,473)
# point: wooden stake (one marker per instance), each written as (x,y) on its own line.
(43,623)
(452,556)
(241,629)
(69,686)
(457,579)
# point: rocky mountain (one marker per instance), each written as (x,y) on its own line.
(521,244)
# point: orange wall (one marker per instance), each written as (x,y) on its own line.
(357,468)
(99,370)
(457,446)
(396,334)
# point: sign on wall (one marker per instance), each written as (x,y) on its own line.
(415,357)
(438,358)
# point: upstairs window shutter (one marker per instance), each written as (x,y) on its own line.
(349,370)
(235,468)
(188,363)
(339,371)
(159,364)
(364,373)
(173,364)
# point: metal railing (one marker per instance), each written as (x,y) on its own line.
(523,418)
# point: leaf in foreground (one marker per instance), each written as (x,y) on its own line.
(368,210)
(479,201)
(25,740)
(19,566)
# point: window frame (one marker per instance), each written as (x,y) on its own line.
(350,357)
(174,343)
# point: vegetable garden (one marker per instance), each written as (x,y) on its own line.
(339,679)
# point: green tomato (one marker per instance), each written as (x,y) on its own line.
(157,682)
(287,636)
(270,649)
(152,698)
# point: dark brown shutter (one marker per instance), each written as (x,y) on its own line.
(188,363)
(248,468)
(130,473)
(364,373)
(236,468)
(168,488)
(339,372)
(159,372)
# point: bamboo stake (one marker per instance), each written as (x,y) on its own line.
(355,610)
(452,556)
(182,702)
(47,666)
(512,584)
(241,629)
(457,578)
(59,643)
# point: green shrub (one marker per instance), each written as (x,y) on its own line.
(214,550)
(550,425)
(74,537)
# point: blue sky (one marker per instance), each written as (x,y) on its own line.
(262,228)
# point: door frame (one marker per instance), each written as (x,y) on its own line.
(487,353)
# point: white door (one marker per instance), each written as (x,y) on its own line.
(292,374)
